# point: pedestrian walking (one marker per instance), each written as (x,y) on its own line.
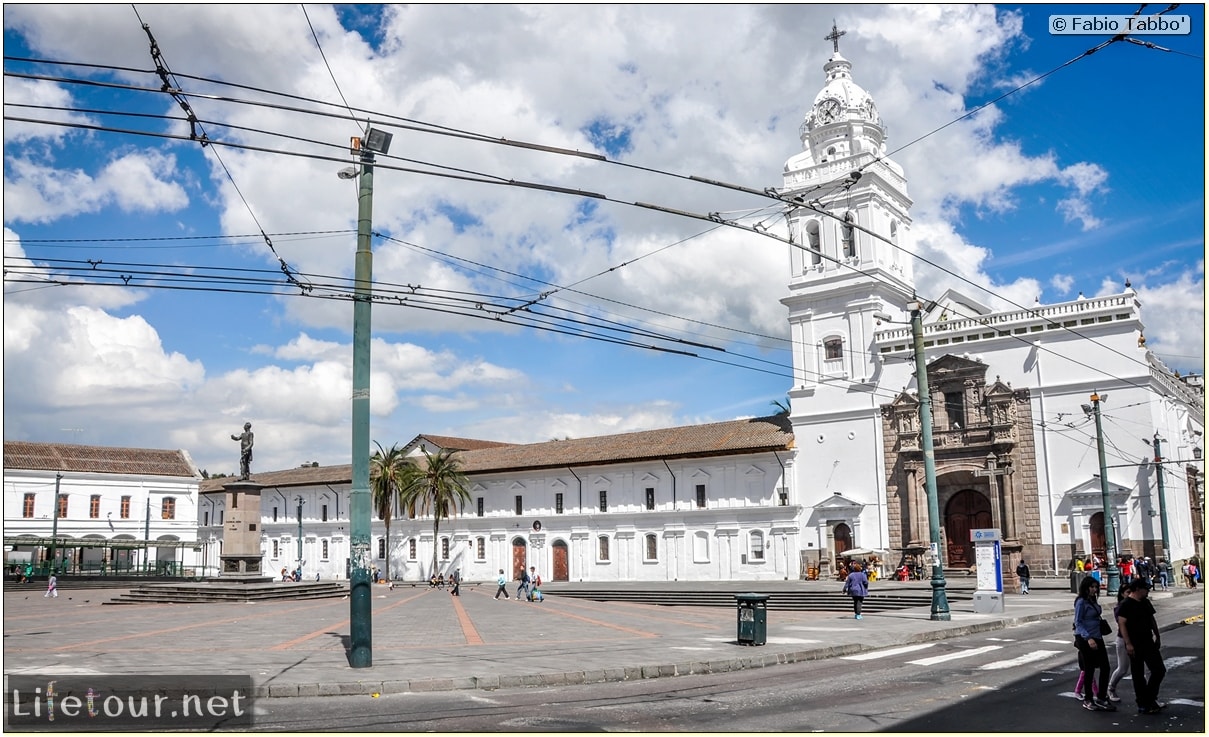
(52,586)
(534,584)
(1122,666)
(1023,574)
(1164,567)
(1089,639)
(856,585)
(524,584)
(455,581)
(1135,621)
(502,581)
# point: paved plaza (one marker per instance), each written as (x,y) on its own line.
(426,640)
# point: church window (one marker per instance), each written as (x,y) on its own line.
(602,552)
(276,549)
(168,508)
(757,545)
(848,236)
(480,548)
(411,550)
(894,232)
(833,349)
(812,240)
(28,509)
(652,547)
(955,408)
(701,496)
(324,550)
(381,548)
(444,548)
(650,499)
(701,547)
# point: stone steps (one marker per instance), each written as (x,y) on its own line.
(202,593)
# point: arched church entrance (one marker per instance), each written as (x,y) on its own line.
(842,534)
(1099,545)
(562,571)
(518,557)
(967,510)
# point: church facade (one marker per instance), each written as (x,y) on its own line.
(1015,441)
(1015,433)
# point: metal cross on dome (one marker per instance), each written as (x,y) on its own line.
(834,36)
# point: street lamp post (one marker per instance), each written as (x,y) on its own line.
(54,525)
(940,602)
(1158,467)
(360,599)
(300,503)
(1110,543)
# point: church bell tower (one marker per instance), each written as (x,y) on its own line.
(850,227)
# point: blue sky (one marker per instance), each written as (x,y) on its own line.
(1090,176)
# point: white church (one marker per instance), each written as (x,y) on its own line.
(1014,432)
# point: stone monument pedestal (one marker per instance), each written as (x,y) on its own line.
(241,557)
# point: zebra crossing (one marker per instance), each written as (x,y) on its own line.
(999,654)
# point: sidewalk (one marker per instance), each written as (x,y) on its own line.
(427,640)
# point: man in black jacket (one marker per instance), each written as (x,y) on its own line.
(1136,623)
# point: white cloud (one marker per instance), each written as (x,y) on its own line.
(135,182)
(721,100)
(1062,283)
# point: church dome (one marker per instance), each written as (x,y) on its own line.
(841,99)
(854,101)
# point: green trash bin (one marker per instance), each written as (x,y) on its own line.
(753,618)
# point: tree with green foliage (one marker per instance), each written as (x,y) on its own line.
(436,486)
(387,469)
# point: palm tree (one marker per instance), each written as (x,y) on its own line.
(436,487)
(782,407)
(386,471)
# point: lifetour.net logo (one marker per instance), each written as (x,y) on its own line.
(99,703)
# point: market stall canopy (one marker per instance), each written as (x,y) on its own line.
(863,552)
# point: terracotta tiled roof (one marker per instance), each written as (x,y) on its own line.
(692,441)
(96,459)
(761,434)
(303,476)
(445,441)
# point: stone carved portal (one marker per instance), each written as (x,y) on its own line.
(985,464)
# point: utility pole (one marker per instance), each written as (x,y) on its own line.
(360,653)
(1110,543)
(54,526)
(940,602)
(1158,467)
(147,537)
(301,501)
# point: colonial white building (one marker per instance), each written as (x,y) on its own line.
(1015,436)
(704,502)
(110,510)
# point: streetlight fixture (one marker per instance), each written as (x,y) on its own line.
(360,600)
(1110,544)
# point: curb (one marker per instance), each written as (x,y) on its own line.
(630,673)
